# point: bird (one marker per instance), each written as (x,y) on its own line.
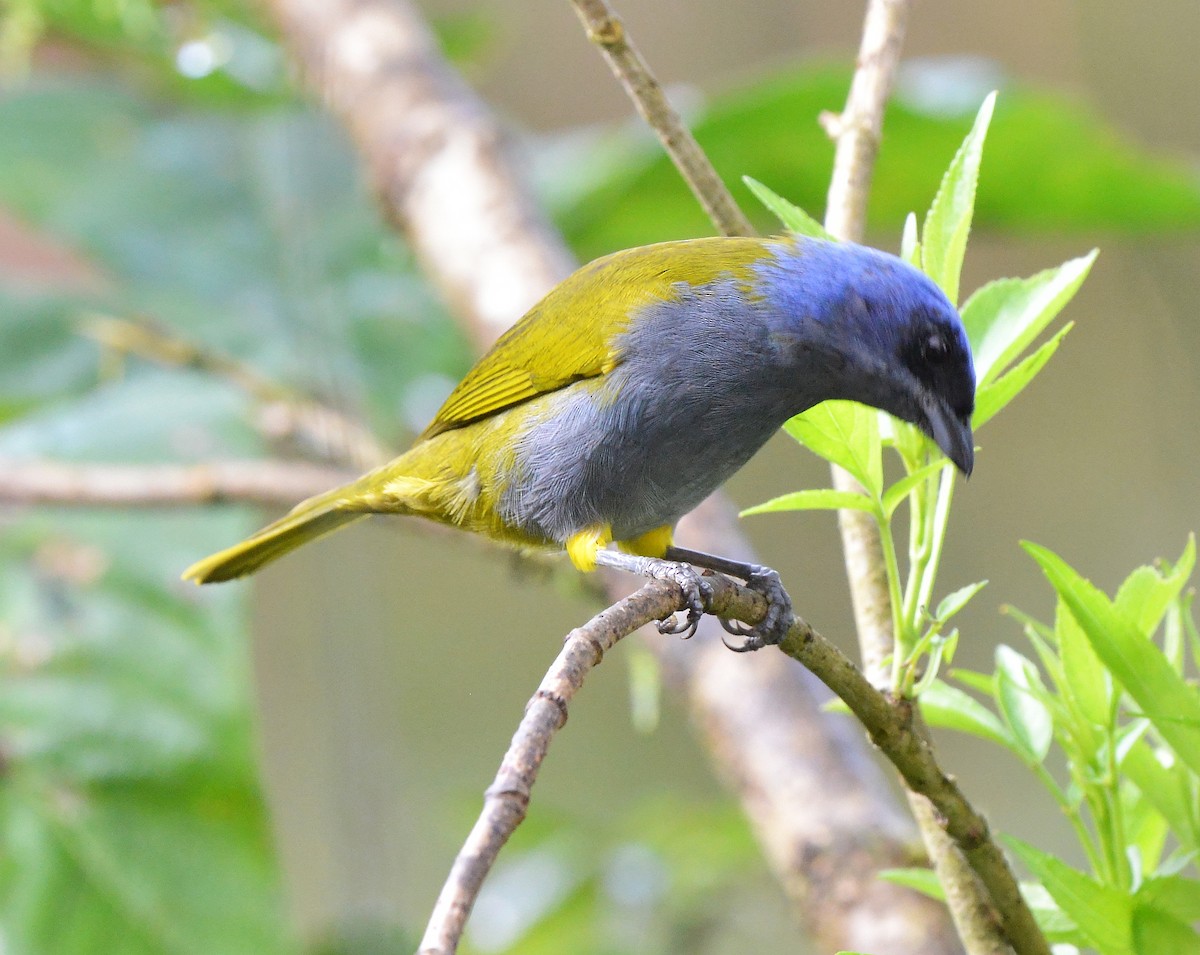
(643,381)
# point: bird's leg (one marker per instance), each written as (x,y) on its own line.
(696,590)
(763,580)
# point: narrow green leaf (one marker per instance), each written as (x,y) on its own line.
(949,707)
(845,433)
(949,219)
(1020,695)
(1102,914)
(1172,894)
(941,647)
(910,244)
(1164,696)
(1003,317)
(921,880)
(1146,594)
(824,499)
(1088,686)
(908,440)
(794,218)
(954,602)
(979,682)
(1055,924)
(992,397)
(895,494)
(1168,789)
(1156,932)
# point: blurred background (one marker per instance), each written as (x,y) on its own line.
(309,749)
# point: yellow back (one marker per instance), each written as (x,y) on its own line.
(572,333)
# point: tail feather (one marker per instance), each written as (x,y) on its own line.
(308,521)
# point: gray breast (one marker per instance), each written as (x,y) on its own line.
(695,395)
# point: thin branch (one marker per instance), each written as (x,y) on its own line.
(857,132)
(983,924)
(285,415)
(817,800)
(605,29)
(507,798)
(266,483)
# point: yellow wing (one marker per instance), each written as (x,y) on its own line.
(572,333)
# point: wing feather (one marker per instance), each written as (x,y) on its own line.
(574,332)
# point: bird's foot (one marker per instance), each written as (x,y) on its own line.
(769,631)
(697,592)
(778,620)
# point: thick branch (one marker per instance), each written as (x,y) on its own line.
(266,483)
(605,29)
(436,155)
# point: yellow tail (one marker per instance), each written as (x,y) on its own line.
(307,521)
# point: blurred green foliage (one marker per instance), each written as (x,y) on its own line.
(1089,178)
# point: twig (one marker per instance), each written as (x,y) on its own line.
(266,483)
(507,798)
(605,29)
(285,415)
(816,799)
(857,133)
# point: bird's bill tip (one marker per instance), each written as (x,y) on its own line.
(952,435)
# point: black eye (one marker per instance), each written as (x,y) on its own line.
(934,349)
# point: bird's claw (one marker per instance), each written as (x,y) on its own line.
(697,593)
(774,626)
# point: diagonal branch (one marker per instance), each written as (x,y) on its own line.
(892,728)
(605,29)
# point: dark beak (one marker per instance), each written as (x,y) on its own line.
(951,434)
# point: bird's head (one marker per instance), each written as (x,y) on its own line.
(873,329)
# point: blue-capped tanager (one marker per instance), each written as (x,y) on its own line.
(639,384)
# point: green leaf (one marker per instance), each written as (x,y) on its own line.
(1156,932)
(895,495)
(949,707)
(794,218)
(814,500)
(1102,914)
(922,880)
(993,397)
(944,238)
(1172,895)
(910,244)
(844,433)
(954,602)
(1165,698)
(1020,695)
(1088,686)
(1146,594)
(1168,789)
(1004,317)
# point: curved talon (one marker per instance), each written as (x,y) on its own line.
(736,627)
(774,626)
(751,643)
(686,627)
